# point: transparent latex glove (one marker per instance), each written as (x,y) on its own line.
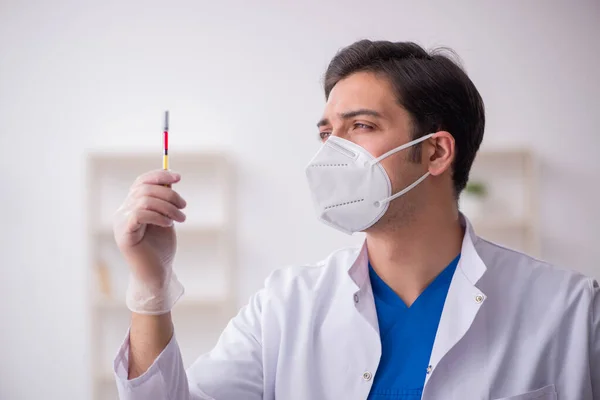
(143,229)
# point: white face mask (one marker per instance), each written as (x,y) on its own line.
(350,188)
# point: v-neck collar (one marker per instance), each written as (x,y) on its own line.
(382,291)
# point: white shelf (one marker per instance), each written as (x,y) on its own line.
(204,261)
(491,223)
(105,377)
(508,213)
(504,153)
(136,157)
(184,302)
(183,228)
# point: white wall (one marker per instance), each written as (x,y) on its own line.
(77,76)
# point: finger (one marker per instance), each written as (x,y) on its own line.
(160,206)
(147,217)
(159,192)
(158,177)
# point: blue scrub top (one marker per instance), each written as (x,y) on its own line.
(407,335)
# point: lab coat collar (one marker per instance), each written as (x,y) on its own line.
(359,269)
(470,264)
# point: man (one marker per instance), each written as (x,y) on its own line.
(424,309)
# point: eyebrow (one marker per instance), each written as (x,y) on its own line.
(351,114)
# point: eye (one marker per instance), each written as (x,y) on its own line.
(359,125)
(324,135)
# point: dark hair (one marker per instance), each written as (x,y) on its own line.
(435,91)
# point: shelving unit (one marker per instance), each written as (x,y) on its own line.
(509,212)
(204,260)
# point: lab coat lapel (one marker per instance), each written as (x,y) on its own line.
(358,342)
(361,289)
(463,301)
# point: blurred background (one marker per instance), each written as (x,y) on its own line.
(83,88)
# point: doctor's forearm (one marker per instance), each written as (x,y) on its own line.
(149,335)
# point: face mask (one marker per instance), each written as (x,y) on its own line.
(350,188)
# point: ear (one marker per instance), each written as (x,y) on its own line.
(439,152)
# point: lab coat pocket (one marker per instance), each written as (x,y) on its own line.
(545,393)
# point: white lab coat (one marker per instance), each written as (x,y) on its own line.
(512,328)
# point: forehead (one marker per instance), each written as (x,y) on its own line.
(361,90)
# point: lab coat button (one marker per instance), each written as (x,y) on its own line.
(356,298)
(367,376)
(479,299)
(429,369)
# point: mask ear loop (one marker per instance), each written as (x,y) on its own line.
(403,191)
(393,151)
(404,146)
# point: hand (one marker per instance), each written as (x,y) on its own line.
(143,228)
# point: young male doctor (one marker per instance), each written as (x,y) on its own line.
(425,309)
